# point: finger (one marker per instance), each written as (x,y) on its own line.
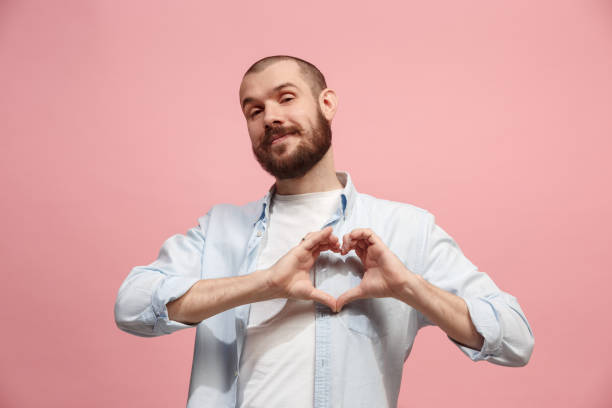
(335,248)
(333,240)
(361,253)
(323,241)
(346,244)
(325,298)
(314,238)
(359,237)
(349,244)
(326,247)
(365,235)
(349,296)
(333,243)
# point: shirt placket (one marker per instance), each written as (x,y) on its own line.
(323,361)
(242,312)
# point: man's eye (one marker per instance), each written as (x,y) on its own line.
(287,99)
(254,113)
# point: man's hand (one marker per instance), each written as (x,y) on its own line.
(289,277)
(384,274)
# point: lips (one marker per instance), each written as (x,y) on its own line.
(277,137)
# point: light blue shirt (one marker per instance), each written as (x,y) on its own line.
(359,352)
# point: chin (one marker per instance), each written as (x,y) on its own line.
(284,148)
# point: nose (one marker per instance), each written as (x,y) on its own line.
(273,115)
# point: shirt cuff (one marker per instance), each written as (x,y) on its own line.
(171,288)
(485,319)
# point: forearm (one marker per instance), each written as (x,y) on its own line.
(208,297)
(446,310)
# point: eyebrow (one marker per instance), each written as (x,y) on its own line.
(276,89)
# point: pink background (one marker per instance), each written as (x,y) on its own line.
(120,125)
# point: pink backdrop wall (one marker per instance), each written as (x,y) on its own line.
(120,125)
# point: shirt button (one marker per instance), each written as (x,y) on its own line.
(259,233)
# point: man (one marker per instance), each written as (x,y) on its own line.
(289,314)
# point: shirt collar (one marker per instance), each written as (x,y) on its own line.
(347,195)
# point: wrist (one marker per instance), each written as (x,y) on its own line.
(409,288)
(265,285)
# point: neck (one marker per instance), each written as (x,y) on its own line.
(322,177)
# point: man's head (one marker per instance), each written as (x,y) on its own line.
(288,109)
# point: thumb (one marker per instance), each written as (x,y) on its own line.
(324,298)
(350,295)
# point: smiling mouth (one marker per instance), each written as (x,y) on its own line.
(279,138)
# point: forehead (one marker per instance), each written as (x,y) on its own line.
(258,84)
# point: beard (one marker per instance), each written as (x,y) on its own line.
(311,148)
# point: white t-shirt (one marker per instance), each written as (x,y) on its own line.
(277,362)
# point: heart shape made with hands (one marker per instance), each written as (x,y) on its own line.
(384,274)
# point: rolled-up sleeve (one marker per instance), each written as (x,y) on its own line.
(140,307)
(497,316)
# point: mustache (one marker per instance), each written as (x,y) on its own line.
(272,132)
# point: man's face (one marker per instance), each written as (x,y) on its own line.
(288,131)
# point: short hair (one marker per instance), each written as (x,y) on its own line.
(311,73)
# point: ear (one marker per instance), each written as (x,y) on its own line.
(328,102)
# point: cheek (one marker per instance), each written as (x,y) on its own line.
(255,135)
